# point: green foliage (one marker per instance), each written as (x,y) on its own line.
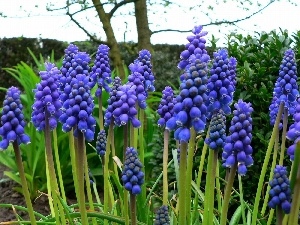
(259,58)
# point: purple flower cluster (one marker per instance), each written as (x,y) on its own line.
(196,46)
(137,81)
(101,73)
(162,216)
(78,108)
(220,86)
(132,175)
(286,88)
(237,149)
(112,99)
(70,51)
(165,108)
(293,133)
(280,192)
(190,109)
(12,120)
(217,133)
(101,143)
(47,99)
(144,59)
(79,65)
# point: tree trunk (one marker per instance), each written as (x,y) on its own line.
(115,53)
(141,18)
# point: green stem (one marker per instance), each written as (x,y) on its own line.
(106,171)
(199,176)
(50,200)
(242,199)
(266,199)
(73,161)
(100,113)
(189,173)
(218,188)
(80,173)
(88,186)
(182,184)
(141,149)
(133,209)
(294,214)
(227,194)
(24,182)
(124,154)
(283,139)
(51,168)
(279,216)
(271,214)
(58,167)
(265,165)
(165,167)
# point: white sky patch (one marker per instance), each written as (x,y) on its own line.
(56,25)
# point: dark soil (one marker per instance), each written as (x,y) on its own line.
(9,196)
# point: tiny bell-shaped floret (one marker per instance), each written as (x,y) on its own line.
(165,108)
(101,73)
(162,216)
(217,133)
(101,143)
(237,149)
(280,193)
(145,60)
(12,120)
(46,99)
(112,98)
(132,175)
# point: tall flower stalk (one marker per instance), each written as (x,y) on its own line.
(12,131)
(46,111)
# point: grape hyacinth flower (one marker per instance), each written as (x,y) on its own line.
(190,110)
(280,192)
(70,51)
(220,86)
(12,120)
(112,98)
(101,143)
(137,81)
(132,175)
(144,59)
(47,99)
(101,73)
(217,133)
(237,149)
(78,108)
(286,88)
(196,46)
(123,107)
(79,65)
(162,216)
(165,108)
(293,133)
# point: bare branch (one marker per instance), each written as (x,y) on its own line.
(93,38)
(118,5)
(232,22)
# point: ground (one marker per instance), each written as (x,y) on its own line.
(9,196)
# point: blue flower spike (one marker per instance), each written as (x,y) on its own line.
(12,120)
(132,175)
(47,99)
(101,73)
(280,192)
(237,149)
(165,108)
(162,216)
(101,143)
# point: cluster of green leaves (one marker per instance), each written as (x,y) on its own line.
(259,58)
